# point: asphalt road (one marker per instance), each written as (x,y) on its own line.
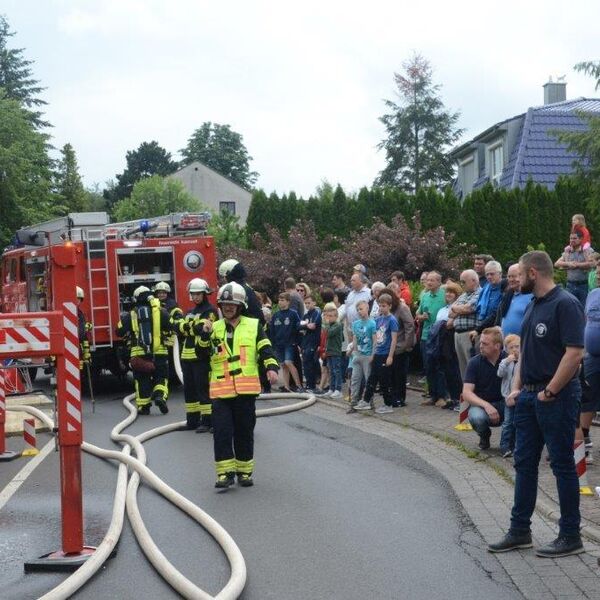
(335,513)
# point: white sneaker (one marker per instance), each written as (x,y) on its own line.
(327,394)
(383,410)
(362,405)
(336,395)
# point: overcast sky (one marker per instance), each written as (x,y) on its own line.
(303,82)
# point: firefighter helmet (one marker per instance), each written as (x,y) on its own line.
(227,266)
(162,286)
(142,289)
(232,293)
(79,293)
(198,285)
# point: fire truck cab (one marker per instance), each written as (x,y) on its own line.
(112,260)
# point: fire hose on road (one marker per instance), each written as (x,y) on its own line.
(126,497)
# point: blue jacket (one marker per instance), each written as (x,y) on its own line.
(311,338)
(284,328)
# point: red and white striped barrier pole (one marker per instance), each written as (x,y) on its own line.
(29,438)
(70,434)
(579,451)
(5,455)
(463,417)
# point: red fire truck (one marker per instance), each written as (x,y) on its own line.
(113,259)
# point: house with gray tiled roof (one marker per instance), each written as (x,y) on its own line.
(523,148)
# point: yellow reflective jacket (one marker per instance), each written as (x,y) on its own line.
(234,370)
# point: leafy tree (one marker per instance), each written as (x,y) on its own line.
(25,174)
(147,160)
(226,230)
(95,200)
(258,214)
(419,131)
(586,144)
(155,196)
(381,247)
(591,68)
(222,149)
(68,182)
(16,76)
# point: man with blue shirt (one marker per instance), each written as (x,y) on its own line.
(513,304)
(547,392)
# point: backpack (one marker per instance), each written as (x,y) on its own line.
(144,319)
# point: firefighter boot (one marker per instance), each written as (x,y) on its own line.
(225,480)
(205,424)
(245,479)
(160,401)
(192,420)
(143,410)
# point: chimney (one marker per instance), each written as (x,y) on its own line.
(555,91)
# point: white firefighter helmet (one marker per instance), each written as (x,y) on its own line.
(162,286)
(198,285)
(79,293)
(140,290)
(232,293)
(227,266)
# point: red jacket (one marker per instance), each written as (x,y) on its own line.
(405,293)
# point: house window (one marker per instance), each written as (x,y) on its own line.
(468,174)
(496,162)
(227,207)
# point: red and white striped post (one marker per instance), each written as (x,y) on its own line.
(29,438)
(463,417)
(579,452)
(5,455)
(24,335)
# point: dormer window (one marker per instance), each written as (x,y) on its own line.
(496,158)
(468,174)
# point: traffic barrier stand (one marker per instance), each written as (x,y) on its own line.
(463,417)
(579,451)
(29,438)
(54,333)
(5,455)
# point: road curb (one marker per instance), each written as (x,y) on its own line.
(544,506)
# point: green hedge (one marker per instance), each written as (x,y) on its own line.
(495,221)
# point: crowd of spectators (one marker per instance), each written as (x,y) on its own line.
(504,345)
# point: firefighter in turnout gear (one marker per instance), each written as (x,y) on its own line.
(233,271)
(84,328)
(195,365)
(161,291)
(236,345)
(146,327)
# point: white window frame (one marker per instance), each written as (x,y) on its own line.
(492,149)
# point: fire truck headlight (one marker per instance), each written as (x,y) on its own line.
(193,261)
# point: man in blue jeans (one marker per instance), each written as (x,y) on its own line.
(482,388)
(548,394)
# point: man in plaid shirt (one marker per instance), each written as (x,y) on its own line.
(464,317)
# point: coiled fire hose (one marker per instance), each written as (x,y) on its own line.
(126,496)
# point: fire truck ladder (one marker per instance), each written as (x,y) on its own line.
(96,250)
